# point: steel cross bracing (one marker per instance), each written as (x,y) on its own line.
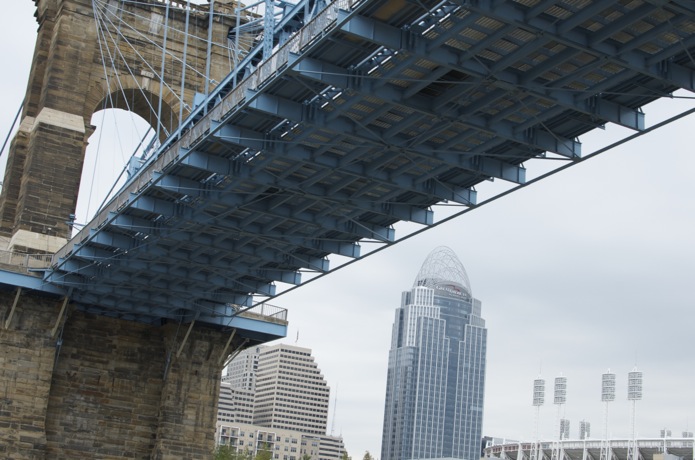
(371,114)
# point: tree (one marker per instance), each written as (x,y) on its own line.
(264,453)
(232,453)
(345,456)
(224,453)
(367,456)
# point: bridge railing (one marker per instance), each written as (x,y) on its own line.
(23,262)
(266,311)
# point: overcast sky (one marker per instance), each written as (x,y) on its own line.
(590,269)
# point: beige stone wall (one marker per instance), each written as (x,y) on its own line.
(27,352)
(107,396)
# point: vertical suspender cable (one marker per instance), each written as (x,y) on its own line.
(236,42)
(183,64)
(161,74)
(207,59)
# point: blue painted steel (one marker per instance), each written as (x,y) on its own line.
(34,283)
(372,114)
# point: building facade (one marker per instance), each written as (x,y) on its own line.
(282,444)
(275,398)
(436,370)
(290,392)
(241,371)
(234,404)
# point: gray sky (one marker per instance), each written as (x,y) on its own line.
(590,269)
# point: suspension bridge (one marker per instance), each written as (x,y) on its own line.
(292,139)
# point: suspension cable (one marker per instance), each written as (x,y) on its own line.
(209,50)
(131,73)
(183,65)
(152,42)
(161,75)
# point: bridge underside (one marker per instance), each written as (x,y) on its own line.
(372,114)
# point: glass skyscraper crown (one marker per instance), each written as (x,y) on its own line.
(436,371)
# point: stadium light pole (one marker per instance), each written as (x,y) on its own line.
(559,399)
(634,394)
(607,396)
(538,400)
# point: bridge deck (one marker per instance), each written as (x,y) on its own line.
(373,113)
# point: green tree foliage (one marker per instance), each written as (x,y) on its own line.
(367,456)
(345,456)
(306,457)
(224,453)
(231,453)
(264,453)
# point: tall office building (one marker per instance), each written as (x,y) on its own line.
(288,389)
(436,370)
(241,371)
(291,392)
(275,398)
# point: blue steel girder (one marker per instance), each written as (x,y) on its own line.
(225,315)
(501,78)
(206,220)
(144,297)
(121,299)
(89,262)
(395,211)
(250,203)
(270,261)
(382,113)
(169,278)
(596,43)
(226,246)
(314,195)
(117,256)
(458,120)
(161,283)
(253,232)
(349,166)
(412,183)
(285,109)
(180,269)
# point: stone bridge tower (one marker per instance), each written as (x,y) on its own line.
(85,60)
(74,384)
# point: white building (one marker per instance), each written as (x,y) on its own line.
(241,372)
(235,405)
(282,444)
(275,397)
(291,392)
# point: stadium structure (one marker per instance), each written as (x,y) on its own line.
(591,449)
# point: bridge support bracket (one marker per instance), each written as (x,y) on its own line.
(185,339)
(223,355)
(236,351)
(14,305)
(60,317)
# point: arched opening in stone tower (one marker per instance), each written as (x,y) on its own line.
(125,134)
(119,136)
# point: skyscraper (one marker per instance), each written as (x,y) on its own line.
(436,370)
